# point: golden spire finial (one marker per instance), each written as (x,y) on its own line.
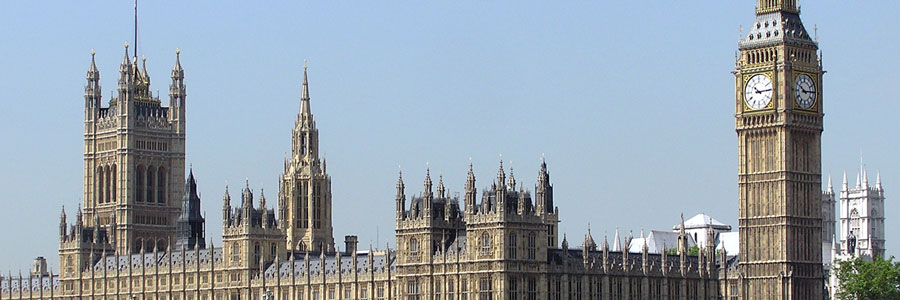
(305,64)
(177,51)
(126,44)
(93,52)
(144,58)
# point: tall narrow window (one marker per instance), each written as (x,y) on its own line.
(139,184)
(114,183)
(161,185)
(98,192)
(512,246)
(256,252)
(532,246)
(513,288)
(149,184)
(107,189)
(532,288)
(463,289)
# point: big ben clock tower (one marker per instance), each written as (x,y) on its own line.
(778,119)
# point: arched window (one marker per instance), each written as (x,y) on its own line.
(98,192)
(149,184)
(532,246)
(161,186)
(413,247)
(485,243)
(139,184)
(854,222)
(112,174)
(161,245)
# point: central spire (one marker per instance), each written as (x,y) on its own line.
(304,94)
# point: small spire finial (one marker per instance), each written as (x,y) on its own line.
(93,53)
(126,44)
(144,58)
(305,64)
(177,51)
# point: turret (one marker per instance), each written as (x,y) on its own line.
(440,187)
(844,185)
(247,205)
(177,93)
(263,209)
(62,224)
(400,197)
(544,191)
(428,196)
(92,91)
(124,76)
(501,188)
(830,189)
(226,208)
(878,181)
(470,191)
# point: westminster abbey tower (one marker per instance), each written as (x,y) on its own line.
(778,118)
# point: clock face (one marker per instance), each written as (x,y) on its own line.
(758,91)
(805,91)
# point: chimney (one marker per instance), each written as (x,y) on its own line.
(350,243)
(39,268)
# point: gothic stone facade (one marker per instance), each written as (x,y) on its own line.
(141,235)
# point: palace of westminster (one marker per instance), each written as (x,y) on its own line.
(140,233)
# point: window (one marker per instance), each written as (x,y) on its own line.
(450,290)
(413,247)
(512,246)
(149,184)
(331,294)
(412,290)
(437,290)
(347,293)
(256,252)
(139,184)
(532,246)
(363,293)
(235,253)
(485,289)
(463,289)
(532,288)
(854,222)
(161,186)
(485,243)
(513,288)
(273,252)
(379,293)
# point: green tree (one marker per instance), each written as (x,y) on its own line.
(870,280)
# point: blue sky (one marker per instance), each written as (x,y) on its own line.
(630,102)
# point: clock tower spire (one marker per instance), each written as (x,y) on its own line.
(778,119)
